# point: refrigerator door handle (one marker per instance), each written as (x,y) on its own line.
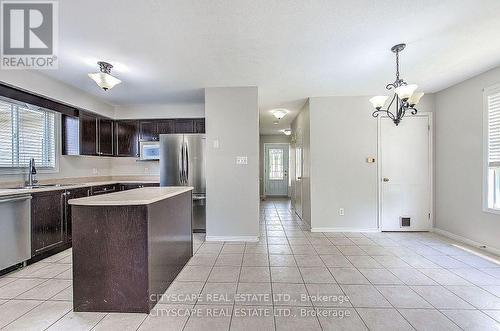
(181,163)
(186,169)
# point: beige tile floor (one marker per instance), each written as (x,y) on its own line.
(291,279)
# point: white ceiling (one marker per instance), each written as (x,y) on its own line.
(170,50)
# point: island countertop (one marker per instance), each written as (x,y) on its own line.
(135,197)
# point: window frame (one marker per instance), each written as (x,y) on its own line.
(57,149)
(486,93)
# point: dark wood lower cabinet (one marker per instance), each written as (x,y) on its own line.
(47,221)
(72,194)
(130,186)
(52,219)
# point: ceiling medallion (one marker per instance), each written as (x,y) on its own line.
(404,99)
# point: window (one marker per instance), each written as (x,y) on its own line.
(26,132)
(492,147)
(276,164)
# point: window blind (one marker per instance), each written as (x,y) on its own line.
(26,132)
(494,130)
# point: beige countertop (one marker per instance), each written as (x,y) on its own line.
(68,186)
(134,197)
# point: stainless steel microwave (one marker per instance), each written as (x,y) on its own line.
(150,150)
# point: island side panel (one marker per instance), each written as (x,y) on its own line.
(170,241)
(110,259)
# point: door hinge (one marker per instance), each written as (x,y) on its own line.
(429,215)
(429,127)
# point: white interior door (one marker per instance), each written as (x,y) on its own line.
(405,174)
(276,169)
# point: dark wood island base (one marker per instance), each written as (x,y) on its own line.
(125,256)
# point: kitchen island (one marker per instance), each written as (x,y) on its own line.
(128,247)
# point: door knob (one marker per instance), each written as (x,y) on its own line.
(385,179)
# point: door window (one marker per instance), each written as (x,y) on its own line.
(276,164)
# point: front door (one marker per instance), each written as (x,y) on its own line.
(405,174)
(276,166)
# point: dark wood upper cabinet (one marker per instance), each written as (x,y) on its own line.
(184,126)
(127,138)
(47,220)
(199,125)
(88,134)
(166,126)
(148,131)
(105,137)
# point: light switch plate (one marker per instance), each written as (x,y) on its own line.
(242,160)
(216,143)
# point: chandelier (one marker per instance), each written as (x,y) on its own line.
(404,99)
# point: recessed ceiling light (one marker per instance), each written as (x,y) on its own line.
(287,132)
(104,78)
(276,122)
(279,113)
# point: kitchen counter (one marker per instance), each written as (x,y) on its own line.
(139,196)
(128,247)
(68,186)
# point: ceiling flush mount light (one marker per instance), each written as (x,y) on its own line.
(279,113)
(404,99)
(104,78)
(287,132)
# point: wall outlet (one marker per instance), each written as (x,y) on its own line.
(242,160)
(94,171)
(146,170)
(341,212)
(216,143)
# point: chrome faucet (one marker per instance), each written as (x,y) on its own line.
(31,173)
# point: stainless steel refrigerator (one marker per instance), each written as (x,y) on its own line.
(182,163)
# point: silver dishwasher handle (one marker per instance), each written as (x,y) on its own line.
(24,197)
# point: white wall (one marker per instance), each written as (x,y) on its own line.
(301,131)
(232,119)
(343,135)
(459,161)
(69,166)
(268,139)
(178,110)
(35,82)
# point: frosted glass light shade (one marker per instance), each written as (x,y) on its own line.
(378,101)
(104,80)
(279,113)
(404,92)
(415,98)
(287,132)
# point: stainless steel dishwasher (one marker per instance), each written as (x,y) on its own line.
(15,230)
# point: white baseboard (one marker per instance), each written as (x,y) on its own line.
(344,230)
(467,241)
(233,238)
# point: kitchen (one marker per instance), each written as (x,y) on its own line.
(39,216)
